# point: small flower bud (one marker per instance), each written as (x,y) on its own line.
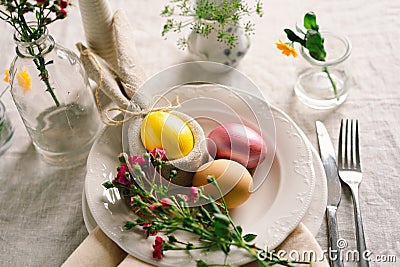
(63,3)
(61,14)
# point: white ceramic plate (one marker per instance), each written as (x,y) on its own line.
(312,219)
(272,211)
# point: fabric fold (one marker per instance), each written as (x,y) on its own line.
(111,59)
(96,250)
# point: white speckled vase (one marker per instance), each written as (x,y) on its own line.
(211,50)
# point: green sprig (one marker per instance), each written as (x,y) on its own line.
(157,212)
(207,16)
(313,42)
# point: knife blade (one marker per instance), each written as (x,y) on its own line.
(328,159)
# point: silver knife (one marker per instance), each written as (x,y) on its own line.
(334,192)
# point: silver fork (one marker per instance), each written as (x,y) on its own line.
(349,167)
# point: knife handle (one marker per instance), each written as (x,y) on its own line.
(335,253)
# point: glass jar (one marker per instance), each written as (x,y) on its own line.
(6,130)
(52,94)
(325,84)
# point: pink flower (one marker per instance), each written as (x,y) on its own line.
(62,13)
(136,160)
(156,152)
(158,244)
(63,3)
(166,202)
(159,241)
(194,193)
(121,176)
(154,206)
(183,197)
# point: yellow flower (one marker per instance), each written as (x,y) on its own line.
(24,80)
(7,73)
(286,49)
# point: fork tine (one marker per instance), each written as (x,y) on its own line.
(357,148)
(346,158)
(340,155)
(351,144)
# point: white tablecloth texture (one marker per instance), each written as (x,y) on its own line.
(41,220)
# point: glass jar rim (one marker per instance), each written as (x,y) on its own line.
(31,24)
(335,61)
(2,111)
(31,49)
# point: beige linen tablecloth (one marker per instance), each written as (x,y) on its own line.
(41,215)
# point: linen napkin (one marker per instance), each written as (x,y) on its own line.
(115,69)
(100,251)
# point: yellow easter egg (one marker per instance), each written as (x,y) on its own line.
(167,131)
(234,180)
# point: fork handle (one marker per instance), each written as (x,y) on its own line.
(361,246)
(335,254)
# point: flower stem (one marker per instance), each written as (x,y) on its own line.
(325,69)
(44,75)
(50,90)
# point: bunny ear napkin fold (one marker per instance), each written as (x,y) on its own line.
(110,59)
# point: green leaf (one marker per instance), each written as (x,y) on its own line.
(129,225)
(108,184)
(293,37)
(240,229)
(220,230)
(222,219)
(172,239)
(249,237)
(315,45)
(200,263)
(122,158)
(189,246)
(225,248)
(213,207)
(205,213)
(310,21)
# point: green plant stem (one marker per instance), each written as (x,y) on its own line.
(325,69)
(51,91)
(44,75)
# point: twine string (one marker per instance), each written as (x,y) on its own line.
(132,114)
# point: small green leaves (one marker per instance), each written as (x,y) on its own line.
(315,45)
(206,16)
(312,39)
(249,237)
(310,21)
(108,184)
(200,263)
(223,219)
(122,158)
(129,225)
(293,37)
(172,239)
(239,229)
(167,11)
